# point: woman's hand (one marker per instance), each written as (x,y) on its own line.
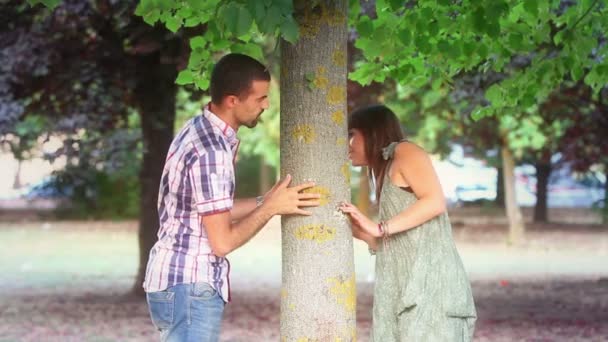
(360,221)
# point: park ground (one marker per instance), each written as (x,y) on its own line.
(69,281)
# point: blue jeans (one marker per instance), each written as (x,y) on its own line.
(187,312)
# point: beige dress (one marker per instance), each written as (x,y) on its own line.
(422,292)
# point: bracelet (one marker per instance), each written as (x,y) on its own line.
(383,229)
(380,230)
(258,201)
(385,232)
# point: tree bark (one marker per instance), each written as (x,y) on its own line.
(543,172)
(318,298)
(605,209)
(17,179)
(500,187)
(155,96)
(516,223)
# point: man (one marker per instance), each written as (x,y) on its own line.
(187,278)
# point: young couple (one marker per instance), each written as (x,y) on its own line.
(421,293)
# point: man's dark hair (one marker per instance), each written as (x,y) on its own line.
(233,75)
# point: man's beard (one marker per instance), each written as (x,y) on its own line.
(255,121)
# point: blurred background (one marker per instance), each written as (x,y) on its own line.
(89,100)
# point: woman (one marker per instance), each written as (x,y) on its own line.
(422,292)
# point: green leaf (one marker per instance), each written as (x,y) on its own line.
(198,4)
(422,42)
(151,17)
(51,4)
(515,41)
(250,49)
(404,36)
(197,42)
(290,30)
(482,51)
(285,6)
(184,77)
(236,19)
(481,112)
(420,81)
(497,9)
(257,9)
(531,6)
(365,27)
(494,94)
(433,28)
(493,29)
(271,21)
(371,48)
(221,44)
(478,20)
(468,48)
(454,50)
(173,24)
(431,98)
(191,22)
(202,83)
(184,12)
(395,4)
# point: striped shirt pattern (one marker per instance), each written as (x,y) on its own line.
(198,179)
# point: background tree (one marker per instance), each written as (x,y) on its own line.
(86,66)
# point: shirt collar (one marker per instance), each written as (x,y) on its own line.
(222,126)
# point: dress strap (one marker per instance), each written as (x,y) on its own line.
(389,151)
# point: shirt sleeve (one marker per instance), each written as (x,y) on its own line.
(212,179)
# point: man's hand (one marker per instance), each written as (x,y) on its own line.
(285,200)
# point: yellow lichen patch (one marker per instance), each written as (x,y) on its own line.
(332,16)
(292,306)
(315,232)
(339,58)
(283,293)
(321,79)
(310,23)
(346,172)
(341,141)
(338,117)
(336,95)
(304,133)
(345,292)
(324,192)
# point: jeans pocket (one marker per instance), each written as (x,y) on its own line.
(161,305)
(203,291)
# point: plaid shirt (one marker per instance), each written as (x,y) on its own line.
(198,179)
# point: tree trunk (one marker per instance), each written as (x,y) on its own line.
(543,171)
(605,209)
(155,95)
(318,298)
(17,179)
(500,187)
(516,223)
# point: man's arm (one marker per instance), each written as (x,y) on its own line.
(226,236)
(242,207)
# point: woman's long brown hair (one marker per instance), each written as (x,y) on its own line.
(380,127)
